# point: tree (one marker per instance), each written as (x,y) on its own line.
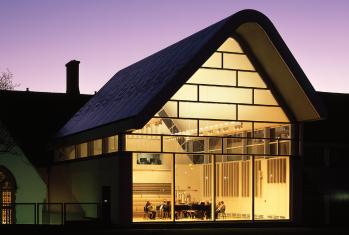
(7,143)
(6,81)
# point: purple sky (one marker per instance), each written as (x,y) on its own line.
(37,38)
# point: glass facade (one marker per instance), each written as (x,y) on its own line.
(220,149)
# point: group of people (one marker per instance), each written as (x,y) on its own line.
(164,209)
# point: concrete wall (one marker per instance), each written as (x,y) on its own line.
(82,182)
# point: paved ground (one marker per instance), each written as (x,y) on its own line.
(48,230)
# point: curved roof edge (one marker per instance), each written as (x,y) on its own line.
(271,52)
(137,92)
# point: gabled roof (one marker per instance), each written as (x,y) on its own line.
(32,118)
(133,95)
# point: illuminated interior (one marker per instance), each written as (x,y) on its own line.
(7,191)
(6,207)
(220,145)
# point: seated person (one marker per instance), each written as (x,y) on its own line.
(220,208)
(165,208)
(150,210)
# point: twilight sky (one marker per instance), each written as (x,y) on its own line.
(37,38)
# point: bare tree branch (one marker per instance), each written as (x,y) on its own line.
(6,80)
(7,143)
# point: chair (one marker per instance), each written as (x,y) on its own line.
(167,211)
(146,214)
(222,214)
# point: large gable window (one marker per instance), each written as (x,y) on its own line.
(221,140)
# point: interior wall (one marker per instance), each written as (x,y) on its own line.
(272,204)
(275,196)
(189,178)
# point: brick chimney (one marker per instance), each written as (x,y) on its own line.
(73,77)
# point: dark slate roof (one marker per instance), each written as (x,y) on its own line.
(137,92)
(130,90)
(32,118)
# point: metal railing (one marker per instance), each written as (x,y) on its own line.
(55,213)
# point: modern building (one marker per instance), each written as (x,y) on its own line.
(221,127)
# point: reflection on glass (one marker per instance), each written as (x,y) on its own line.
(152,187)
(193,189)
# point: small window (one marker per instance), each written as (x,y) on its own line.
(96,147)
(82,150)
(65,153)
(148,159)
(112,144)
